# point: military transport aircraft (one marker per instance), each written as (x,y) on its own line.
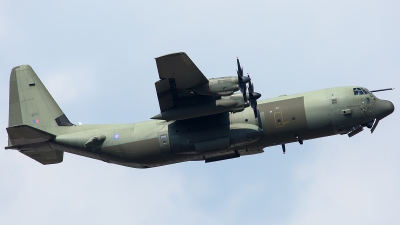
(201,119)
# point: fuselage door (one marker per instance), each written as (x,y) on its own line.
(163,140)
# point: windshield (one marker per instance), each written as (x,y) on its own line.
(359,91)
(362,91)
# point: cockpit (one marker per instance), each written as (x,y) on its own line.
(362,91)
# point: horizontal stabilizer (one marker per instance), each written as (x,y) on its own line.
(32,143)
(24,134)
(44,155)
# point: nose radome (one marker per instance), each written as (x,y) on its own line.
(383,108)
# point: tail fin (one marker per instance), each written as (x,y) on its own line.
(31,103)
(32,115)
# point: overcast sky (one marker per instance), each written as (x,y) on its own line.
(97,60)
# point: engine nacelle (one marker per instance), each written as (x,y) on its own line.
(223,86)
(241,105)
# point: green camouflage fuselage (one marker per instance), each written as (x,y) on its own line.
(282,120)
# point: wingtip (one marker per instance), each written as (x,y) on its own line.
(171,54)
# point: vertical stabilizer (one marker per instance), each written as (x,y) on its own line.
(30,102)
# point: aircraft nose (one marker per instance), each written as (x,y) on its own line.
(383,108)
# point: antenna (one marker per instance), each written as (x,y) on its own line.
(387,89)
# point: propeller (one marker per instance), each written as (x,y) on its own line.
(242,80)
(253,96)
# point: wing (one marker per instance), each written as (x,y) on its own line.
(177,75)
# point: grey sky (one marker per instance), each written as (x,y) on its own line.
(97,60)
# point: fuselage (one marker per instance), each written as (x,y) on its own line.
(281,120)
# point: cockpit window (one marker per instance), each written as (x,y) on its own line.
(360,91)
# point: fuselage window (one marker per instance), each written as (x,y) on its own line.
(163,138)
(368,101)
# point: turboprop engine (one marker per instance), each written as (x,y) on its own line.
(241,104)
(223,86)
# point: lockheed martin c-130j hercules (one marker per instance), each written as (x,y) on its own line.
(201,119)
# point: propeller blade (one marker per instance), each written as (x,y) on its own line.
(244,93)
(251,88)
(240,69)
(242,80)
(253,96)
(254,106)
(253,103)
(242,87)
